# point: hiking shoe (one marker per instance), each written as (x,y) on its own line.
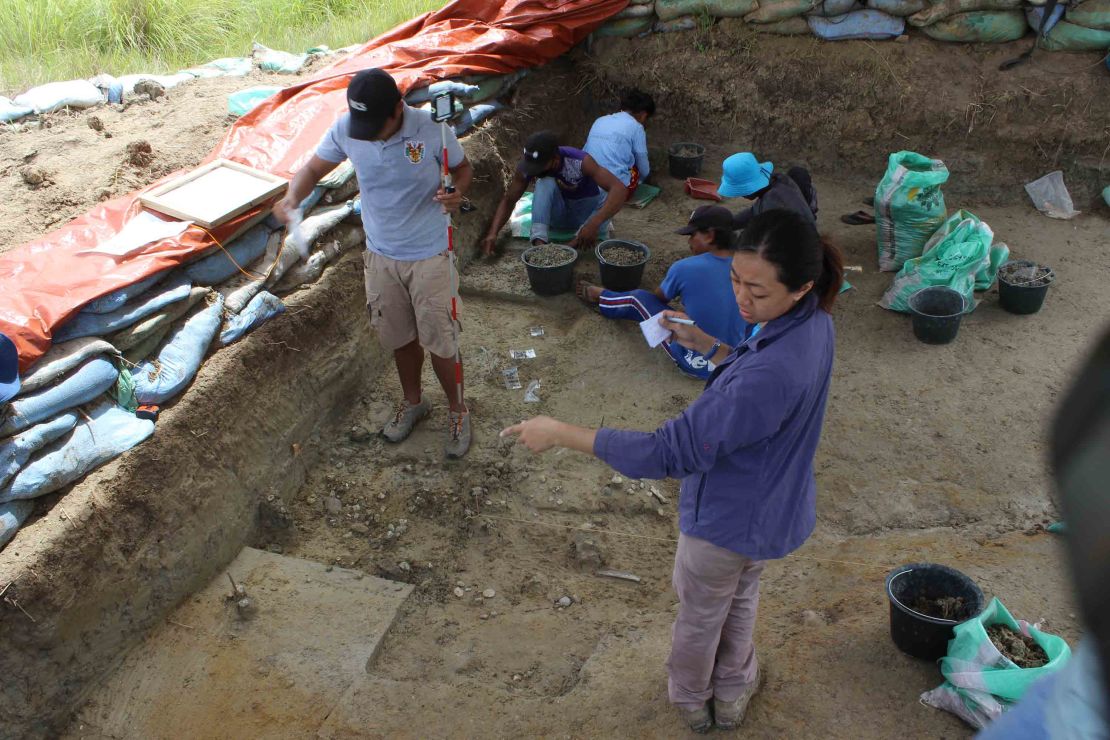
(404,419)
(729,714)
(697,720)
(458,434)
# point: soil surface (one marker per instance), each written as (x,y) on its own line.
(928,453)
(946,607)
(1025,276)
(1023,651)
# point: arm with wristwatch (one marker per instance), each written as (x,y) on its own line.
(691,337)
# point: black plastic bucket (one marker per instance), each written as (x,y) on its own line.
(621,277)
(921,635)
(1016,292)
(686,164)
(551,280)
(936,312)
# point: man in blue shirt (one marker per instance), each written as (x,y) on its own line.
(701,281)
(618,141)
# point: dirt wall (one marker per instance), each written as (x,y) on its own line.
(841,107)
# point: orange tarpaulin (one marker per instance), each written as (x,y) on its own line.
(45,282)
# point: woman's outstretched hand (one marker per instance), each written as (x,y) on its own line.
(690,337)
(537,434)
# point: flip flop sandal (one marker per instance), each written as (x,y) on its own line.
(580,294)
(858,218)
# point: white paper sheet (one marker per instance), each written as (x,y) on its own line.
(138,232)
(653,332)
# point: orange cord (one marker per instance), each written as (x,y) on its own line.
(240,267)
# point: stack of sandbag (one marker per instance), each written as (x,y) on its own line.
(1084,26)
(979,21)
(843,20)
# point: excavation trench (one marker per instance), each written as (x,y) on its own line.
(274,444)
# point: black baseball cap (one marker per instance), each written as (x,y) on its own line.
(705,218)
(372,96)
(539,149)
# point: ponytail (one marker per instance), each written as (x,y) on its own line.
(827,287)
(800,256)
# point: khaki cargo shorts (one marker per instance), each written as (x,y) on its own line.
(411,300)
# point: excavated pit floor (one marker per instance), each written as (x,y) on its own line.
(929,454)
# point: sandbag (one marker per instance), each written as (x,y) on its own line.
(261,309)
(110,432)
(834,8)
(686,23)
(9,111)
(161,379)
(175,288)
(796,26)
(15,451)
(862,24)
(338,177)
(218,266)
(128,82)
(980,26)
(1090,13)
(147,346)
(625,28)
(961,255)
(116,299)
(1066,36)
(230,66)
(945,8)
(458,88)
(272,60)
(60,359)
(12,516)
(83,385)
(635,11)
(771,11)
(57,95)
(671,9)
(909,207)
(244,101)
(155,323)
(980,682)
(898,8)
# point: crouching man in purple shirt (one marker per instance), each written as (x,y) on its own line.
(744,451)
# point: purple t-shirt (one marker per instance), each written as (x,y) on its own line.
(573,182)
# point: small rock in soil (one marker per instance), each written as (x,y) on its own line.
(95,123)
(563,602)
(359,433)
(333,505)
(458,592)
(586,552)
(489,593)
(140,154)
(152,88)
(1022,650)
(359,528)
(35,177)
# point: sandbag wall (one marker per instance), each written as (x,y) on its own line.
(1075,26)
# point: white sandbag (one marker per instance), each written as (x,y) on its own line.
(83,385)
(111,432)
(174,289)
(9,111)
(60,359)
(261,309)
(159,380)
(12,517)
(57,95)
(156,323)
(117,298)
(15,451)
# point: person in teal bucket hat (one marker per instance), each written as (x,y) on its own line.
(9,369)
(747,177)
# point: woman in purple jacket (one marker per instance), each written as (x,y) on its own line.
(744,451)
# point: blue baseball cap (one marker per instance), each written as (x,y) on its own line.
(744,175)
(9,368)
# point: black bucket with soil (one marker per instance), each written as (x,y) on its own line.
(621,263)
(685,159)
(1023,285)
(926,601)
(550,268)
(936,312)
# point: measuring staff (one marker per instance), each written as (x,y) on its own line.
(399,154)
(744,451)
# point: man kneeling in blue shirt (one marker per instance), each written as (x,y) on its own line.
(702,282)
(618,141)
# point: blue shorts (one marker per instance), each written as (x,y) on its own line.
(638,305)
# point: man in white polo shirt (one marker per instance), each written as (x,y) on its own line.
(397,154)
